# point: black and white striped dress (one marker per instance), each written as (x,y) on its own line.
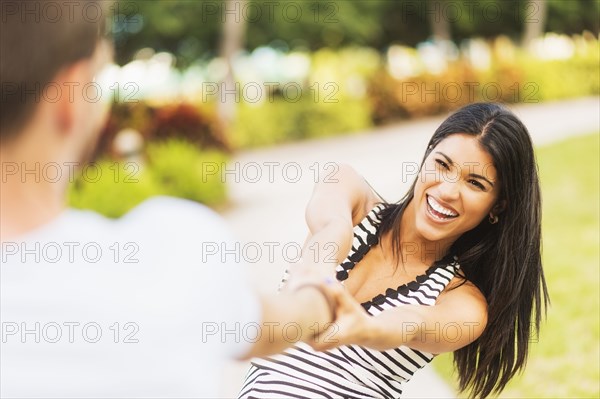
(352,371)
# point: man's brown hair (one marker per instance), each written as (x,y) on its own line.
(37,40)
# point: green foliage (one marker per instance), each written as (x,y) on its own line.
(179,27)
(522,78)
(183,171)
(191,29)
(281,121)
(349,90)
(115,190)
(573,16)
(332,102)
(184,121)
(173,167)
(558,79)
(564,360)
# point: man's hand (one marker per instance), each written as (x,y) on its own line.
(351,325)
(305,272)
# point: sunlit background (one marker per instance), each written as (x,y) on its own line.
(198,85)
(212,77)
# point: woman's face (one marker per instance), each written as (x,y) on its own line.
(456,188)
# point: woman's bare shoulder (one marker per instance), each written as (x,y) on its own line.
(464,288)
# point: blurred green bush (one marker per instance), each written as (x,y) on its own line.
(332,102)
(354,88)
(116,190)
(280,121)
(513,76)
(181,170)
(559,79)
(172,167)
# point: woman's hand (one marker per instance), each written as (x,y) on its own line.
(351,325)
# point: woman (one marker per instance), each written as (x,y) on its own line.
(453,266)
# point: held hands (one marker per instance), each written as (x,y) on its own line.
(351,325)
(348,322)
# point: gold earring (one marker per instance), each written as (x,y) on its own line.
(493,219)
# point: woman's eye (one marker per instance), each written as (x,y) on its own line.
(440,162)
(477,184)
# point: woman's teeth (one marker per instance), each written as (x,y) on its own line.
(440,211)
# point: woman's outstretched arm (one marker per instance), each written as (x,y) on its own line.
(457,319)
(332,212)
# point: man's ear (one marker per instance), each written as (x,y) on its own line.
(499,207)
(72,80)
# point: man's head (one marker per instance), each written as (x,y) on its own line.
(50,54)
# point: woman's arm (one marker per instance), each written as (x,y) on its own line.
(332,212)
(289,317)
(458,318)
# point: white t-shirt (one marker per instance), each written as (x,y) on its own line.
(142,306)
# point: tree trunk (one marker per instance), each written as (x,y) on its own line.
(232,41)
(438,20)
(534,18)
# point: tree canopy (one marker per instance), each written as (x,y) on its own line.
(192,29)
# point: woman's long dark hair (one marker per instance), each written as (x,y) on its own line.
(504,259)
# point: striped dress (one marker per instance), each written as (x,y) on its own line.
(352,371)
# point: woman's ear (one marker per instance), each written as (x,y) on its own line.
(499,207)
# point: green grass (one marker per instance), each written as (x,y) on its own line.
(564,363)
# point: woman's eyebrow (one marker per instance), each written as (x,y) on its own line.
(470,174)
(445,156)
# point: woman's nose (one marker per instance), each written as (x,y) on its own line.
(449,190)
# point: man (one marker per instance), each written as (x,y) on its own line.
(92,307)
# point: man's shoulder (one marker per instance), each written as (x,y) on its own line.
(161,221)
(156,213)
(165,209)
(174,216)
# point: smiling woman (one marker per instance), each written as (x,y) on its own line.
(498,240)
(454,266)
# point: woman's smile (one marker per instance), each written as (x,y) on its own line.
(438,212)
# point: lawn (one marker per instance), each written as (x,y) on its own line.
(564,363)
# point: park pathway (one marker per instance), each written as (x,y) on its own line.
(269,188)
